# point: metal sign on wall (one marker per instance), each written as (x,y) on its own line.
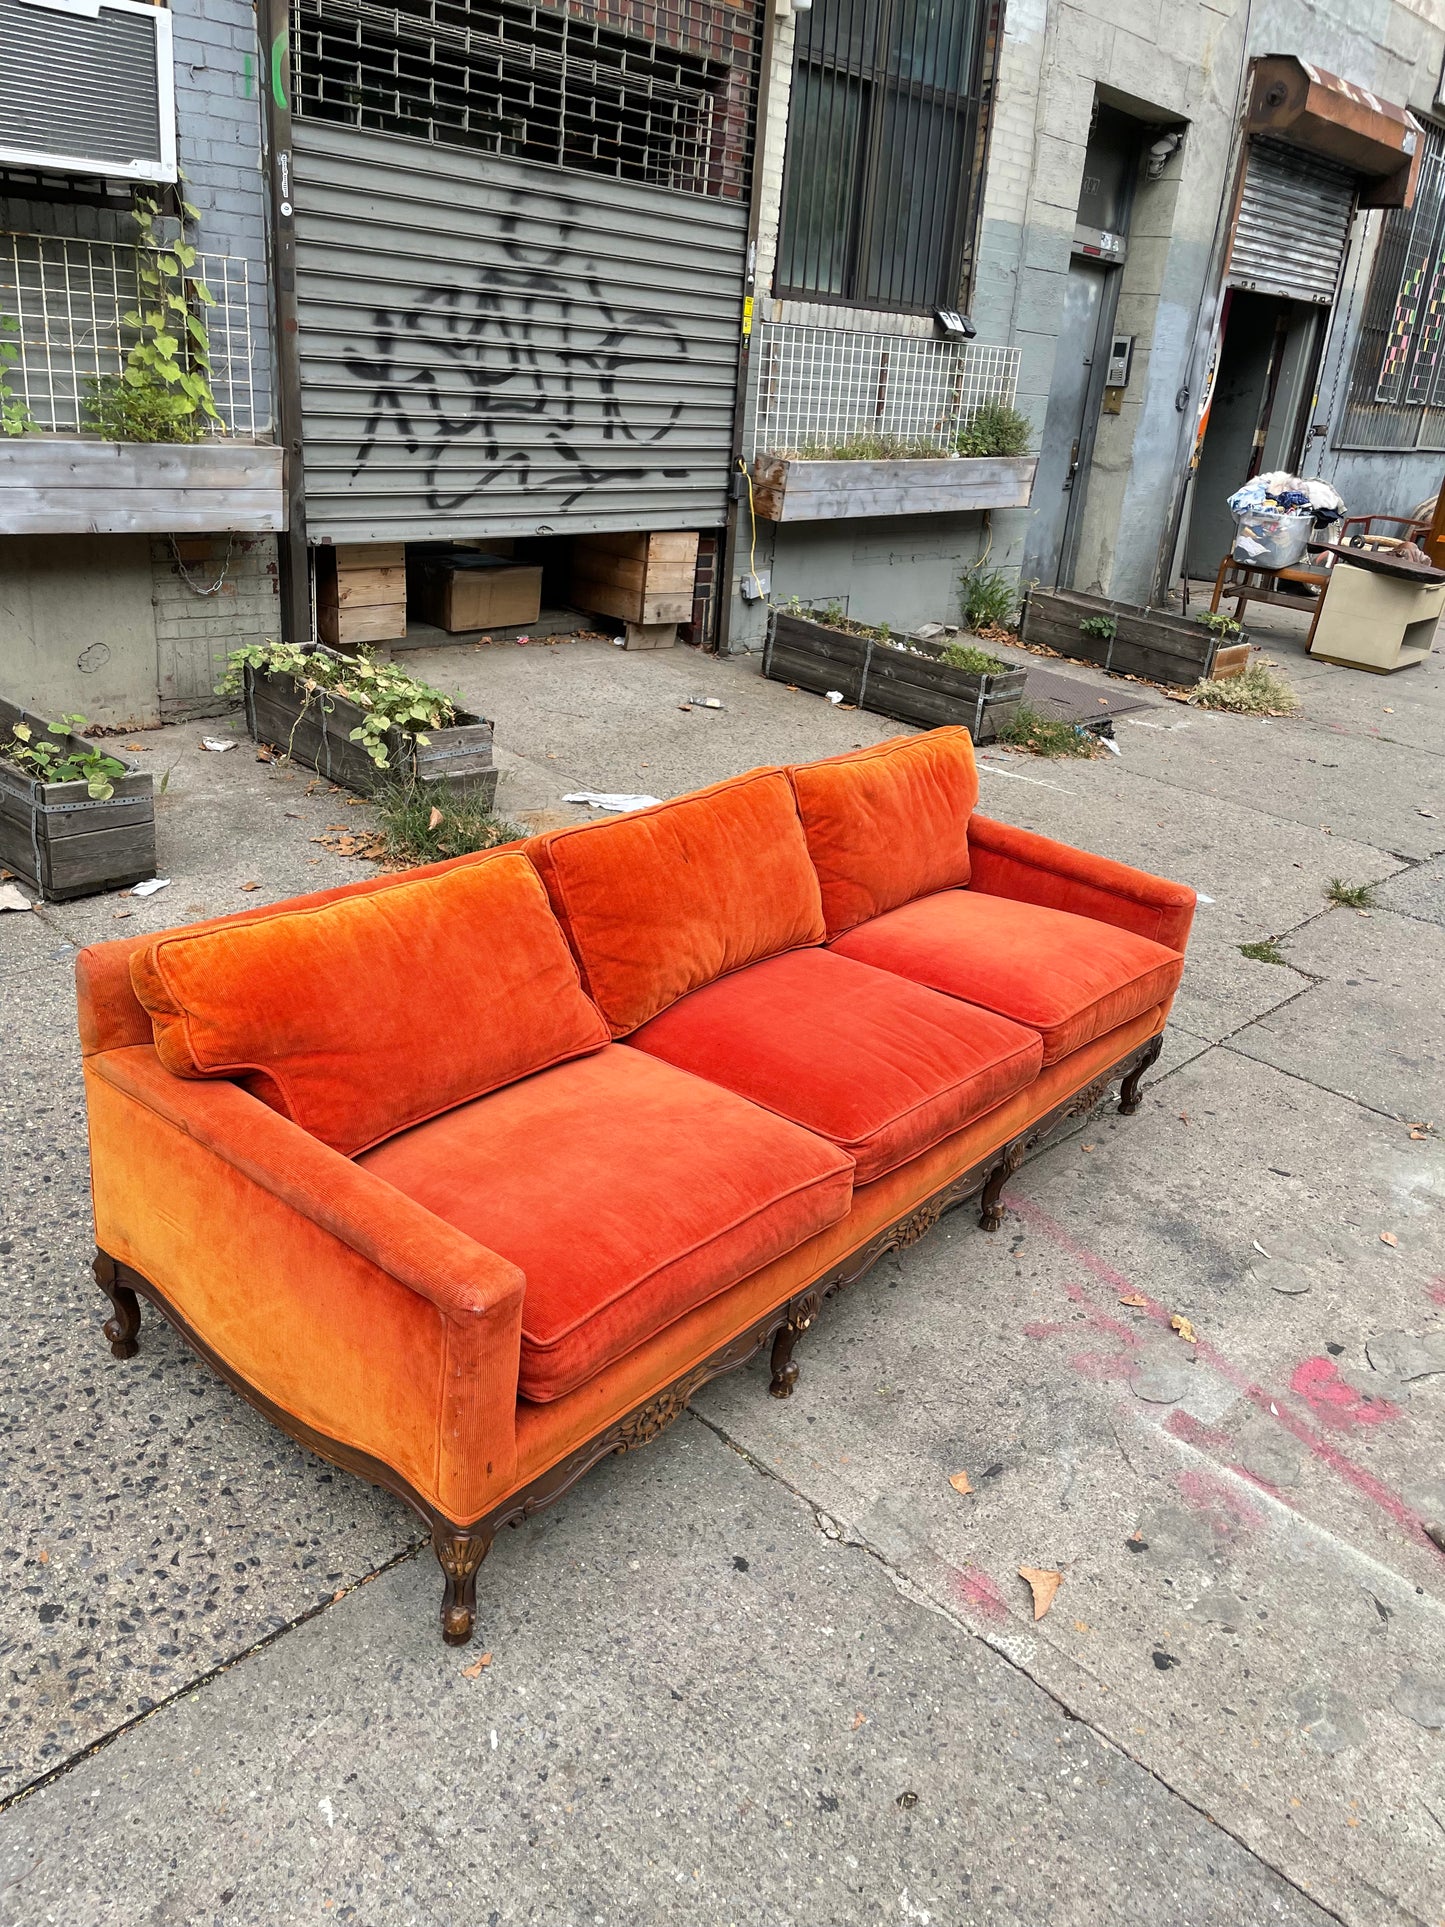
(1293,223)
(490,346)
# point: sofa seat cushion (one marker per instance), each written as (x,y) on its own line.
(1064,976)
(888,823)
(626,1190)
(881,1067)
(362,1016)
(662,900)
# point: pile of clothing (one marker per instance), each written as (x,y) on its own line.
(1276,514)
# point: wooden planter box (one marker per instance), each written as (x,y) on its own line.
(316,730)
(789,490)
(888,679)
(1147,642)
(73,485)
(62,842)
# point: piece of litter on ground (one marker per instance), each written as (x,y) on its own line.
(686,706)
(705,702)
(477,1667)
(1043,1584)
(12,899)
(1389,1238)
(1260,1248)
(1178,1323)
(1199,897)
(215,743)
(618,642)
(834,695)
(1283,1275)
(618,800)
(1110,745)
(959,1482)
(150,886)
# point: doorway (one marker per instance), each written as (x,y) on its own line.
(1259,414)
(1068,438)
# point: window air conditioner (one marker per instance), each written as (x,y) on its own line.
(86,87)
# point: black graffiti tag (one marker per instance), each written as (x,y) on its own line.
(520,371)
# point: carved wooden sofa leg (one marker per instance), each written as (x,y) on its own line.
(124,1322)
(785,1370)
(460,1552)
(1129,1089)
(991,1215)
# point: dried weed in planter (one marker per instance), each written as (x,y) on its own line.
(1042,736)
(425,823)
(1253,692)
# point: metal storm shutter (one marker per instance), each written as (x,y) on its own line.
(494,347)
(87,89)
(1293,223)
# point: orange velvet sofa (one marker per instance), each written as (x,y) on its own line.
(471,1175)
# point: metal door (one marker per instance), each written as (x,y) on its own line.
(1292,226)
(493,347)
(1068,438)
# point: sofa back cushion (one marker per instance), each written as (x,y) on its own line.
(888,823)
(663,900)
(370,1014)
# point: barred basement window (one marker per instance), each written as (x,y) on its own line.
(1397,383)
(515,80)
(884,151)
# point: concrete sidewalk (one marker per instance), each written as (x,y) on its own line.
(775,1669)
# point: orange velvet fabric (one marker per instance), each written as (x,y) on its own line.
(336,1297)
(112,1017)
(888,823)
(663,900)
(546,1433)
(361,1018)
(879,1066)
(626,1190)
(1009,862)
(1069,978)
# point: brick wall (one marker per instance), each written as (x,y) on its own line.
(218,116)
(701,629)
(211,594)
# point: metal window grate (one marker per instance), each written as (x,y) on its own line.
(668,103)
(67,299)
(1397,382)
(819,389)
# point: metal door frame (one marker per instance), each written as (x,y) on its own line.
(1083,460)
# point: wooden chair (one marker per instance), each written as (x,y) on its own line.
(1244,584)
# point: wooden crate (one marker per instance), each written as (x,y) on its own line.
(64,843)
(318,734)
(361,593)
(504,595)
(889,679)
(636,577)
(1146,642)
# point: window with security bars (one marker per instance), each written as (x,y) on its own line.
(532,83)
(1397,383)
(885,135)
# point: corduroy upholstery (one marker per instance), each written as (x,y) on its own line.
(880,1066)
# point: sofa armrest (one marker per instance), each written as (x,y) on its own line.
(1009,862)
(337,1297)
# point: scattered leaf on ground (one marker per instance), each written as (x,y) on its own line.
(859,1719)
(475,1670)
(1389,1238)
(435,818)
(1183,1327)
(43,1556)
(1043,1584)
(1135,1298)
(250,886)
(959,1482)
(1416,1135)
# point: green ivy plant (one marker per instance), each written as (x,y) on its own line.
(389,698)
(1219,624)
(15,417)
(1104,628)
(163,394)
(52,758)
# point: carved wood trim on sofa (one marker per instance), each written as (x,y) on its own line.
(461,1548)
